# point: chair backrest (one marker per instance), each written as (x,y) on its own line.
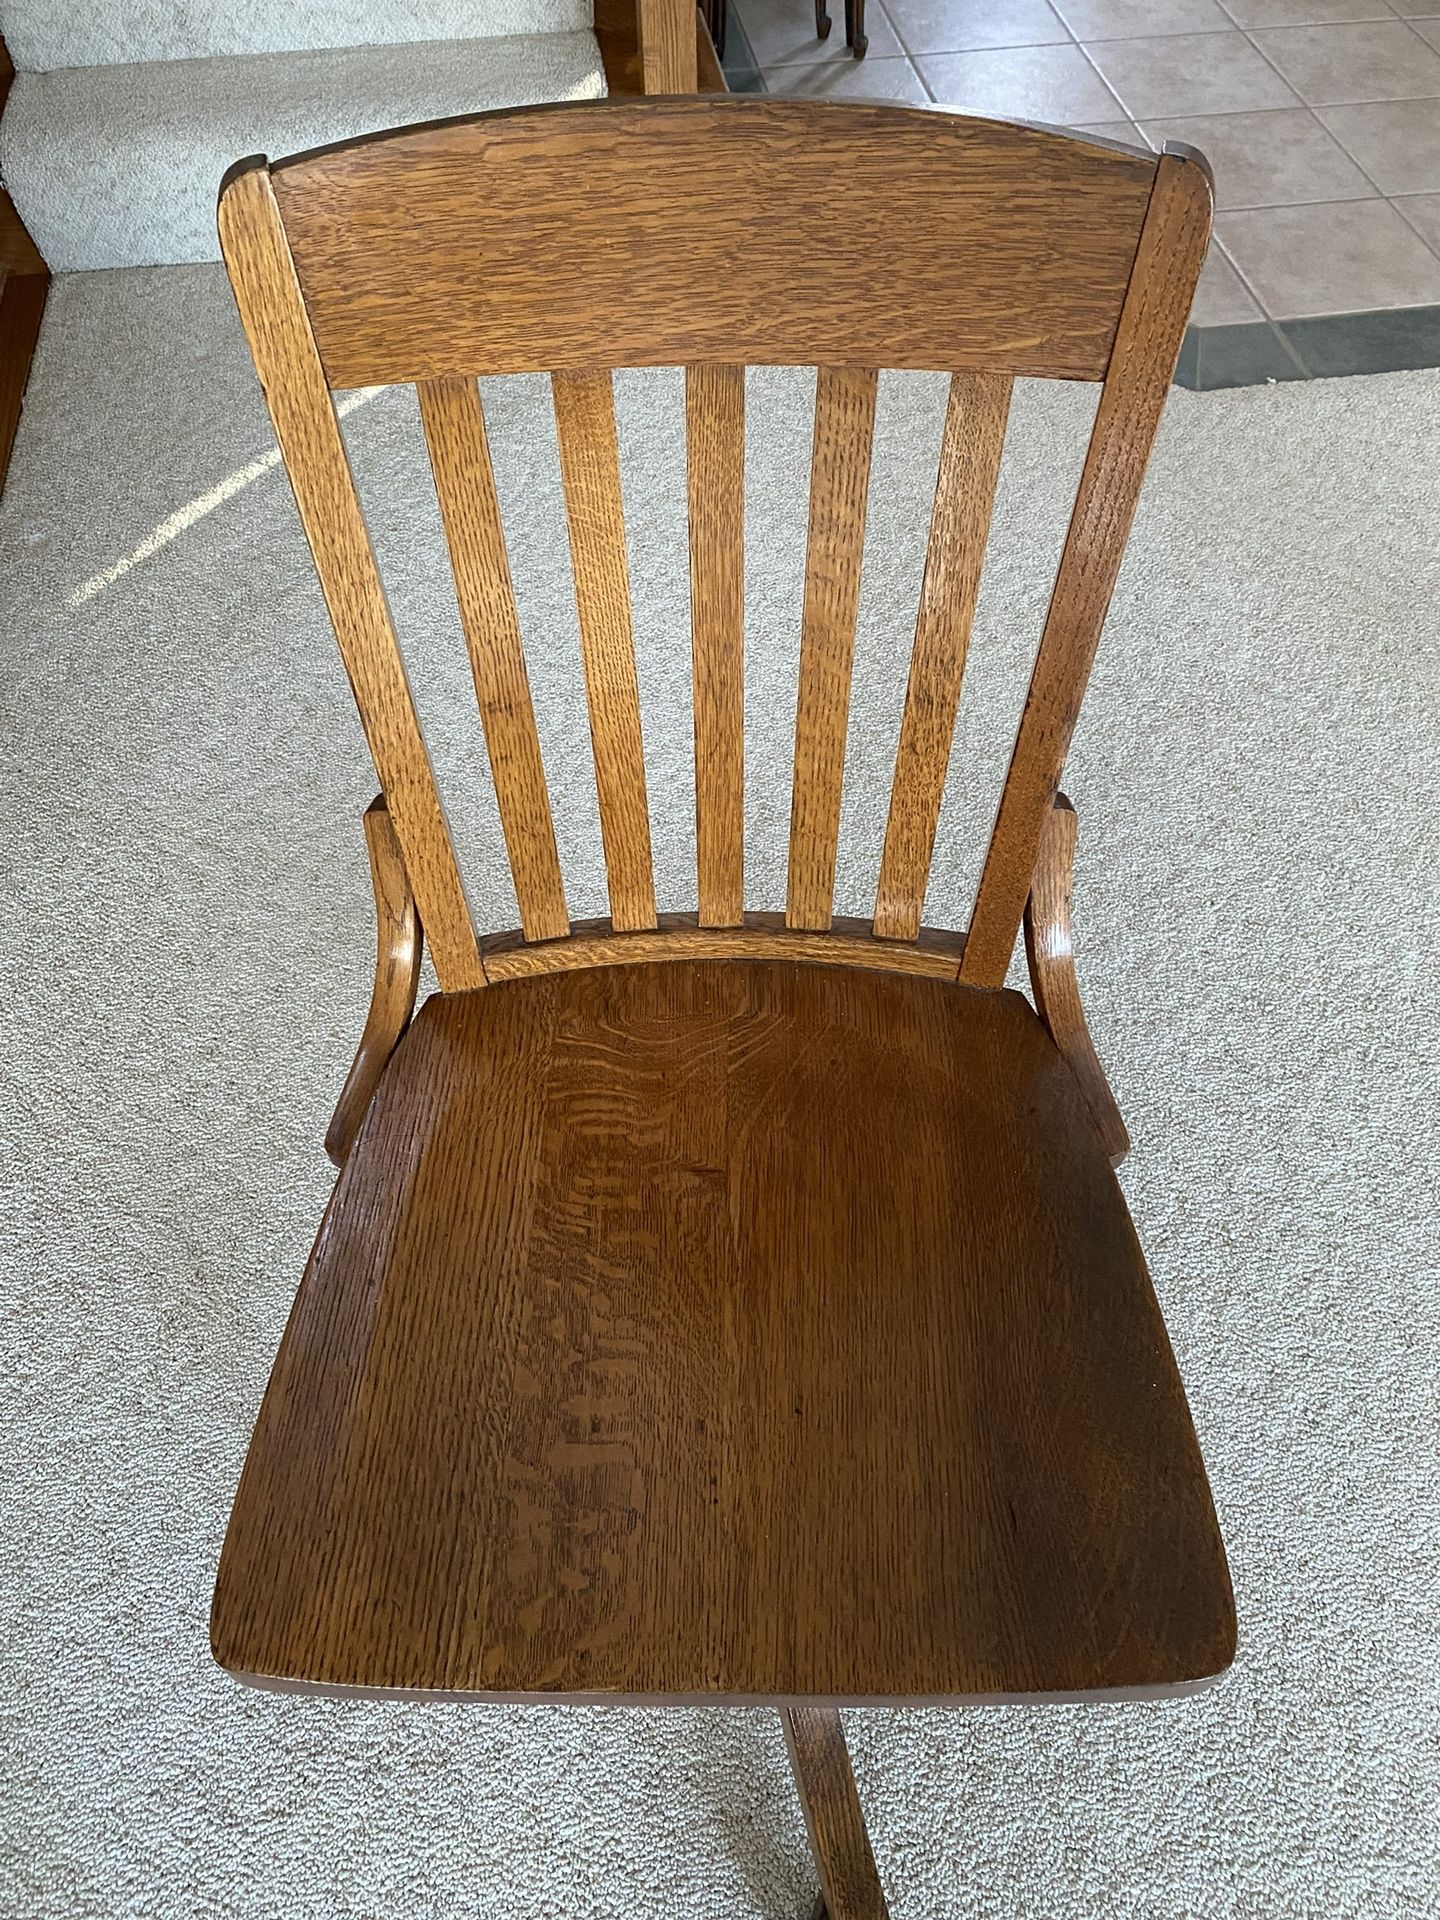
(703,233)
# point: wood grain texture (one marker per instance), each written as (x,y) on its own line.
(1050,950)
(595,515)
(460,459)
(849,1884)
(667,45)
(273,315)
(715,467)
(725,1331)
(1152,325)
(970,451)
(847,942)
(839,489)
(464,248)
(398,949)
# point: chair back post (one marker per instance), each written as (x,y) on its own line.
(307,429)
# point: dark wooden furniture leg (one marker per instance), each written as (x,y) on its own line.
(822,20)
(849,1885)
(855,35)
(717,18)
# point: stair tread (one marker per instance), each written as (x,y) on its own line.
(42,36)
(120,165)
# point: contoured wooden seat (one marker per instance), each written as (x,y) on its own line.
(723,1306)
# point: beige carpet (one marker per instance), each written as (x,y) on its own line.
(186,952)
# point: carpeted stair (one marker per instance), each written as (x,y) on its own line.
(121,121)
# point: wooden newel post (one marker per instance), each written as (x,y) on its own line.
(667,45)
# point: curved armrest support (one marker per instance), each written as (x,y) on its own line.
(1050,949)
(398,946)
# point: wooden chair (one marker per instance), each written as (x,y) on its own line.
(723,1306)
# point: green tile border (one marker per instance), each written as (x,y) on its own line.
(1248,355)
(1396,340)
(1328,347)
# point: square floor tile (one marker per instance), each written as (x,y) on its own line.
(1397,142)
(1278,159)
(1055,84)
(953,26)
(1347,258)
(782,33)
(1422,210)
(1372,60)
(1125,19)
(1189,73)
(1221,299)
(1429,31)
(868,79)
(1308,13)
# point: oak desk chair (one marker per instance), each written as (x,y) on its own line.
(722,1306)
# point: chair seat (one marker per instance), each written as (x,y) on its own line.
(725,1330)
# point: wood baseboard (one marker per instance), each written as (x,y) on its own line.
(24,283)
(22,305)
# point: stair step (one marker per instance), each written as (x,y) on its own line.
(119,166)
(45,34)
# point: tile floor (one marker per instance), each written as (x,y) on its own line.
(1320,117)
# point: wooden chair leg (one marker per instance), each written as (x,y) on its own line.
(822,20)
(849,1885)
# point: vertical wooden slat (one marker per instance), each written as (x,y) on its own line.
(267,292)
(959,525)
(465,484)
(715,465)
(667,45)
(1147,343)
(594,510)
(839,485)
